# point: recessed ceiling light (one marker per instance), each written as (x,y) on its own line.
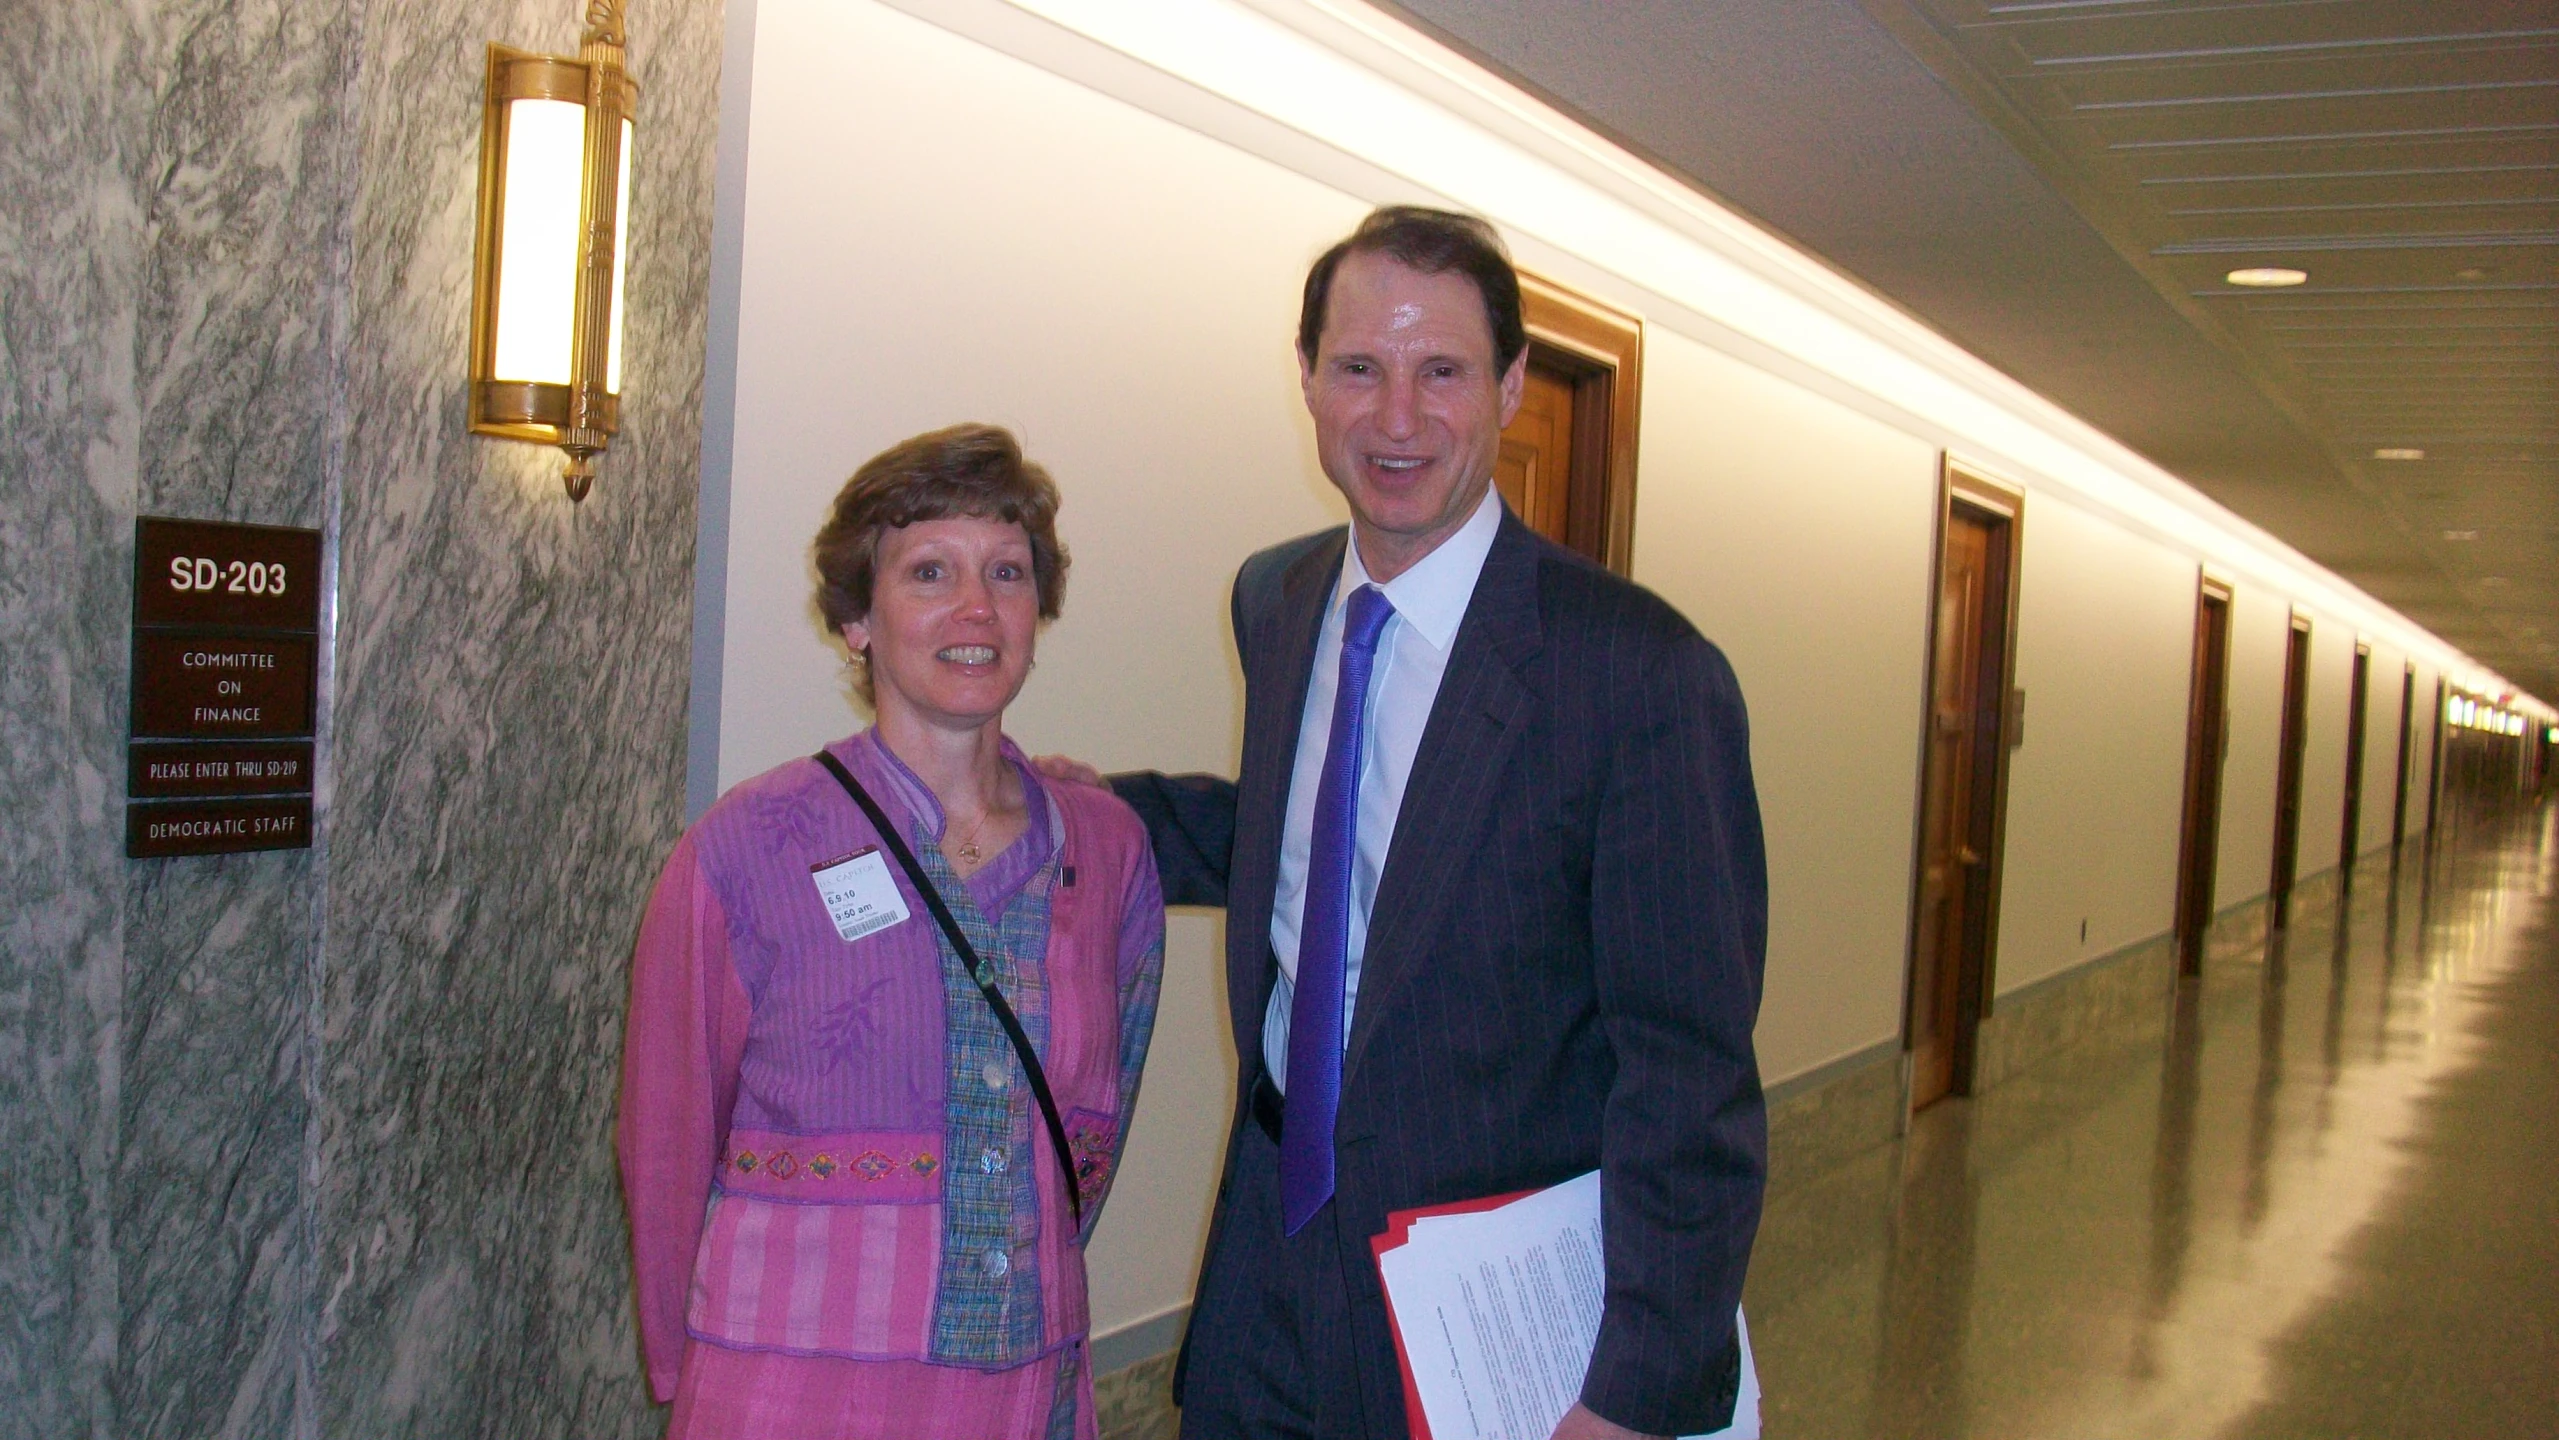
(2398,452)
(2267,277)
(2461,534)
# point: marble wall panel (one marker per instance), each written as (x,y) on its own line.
(212,1258)
(234,269)
(241,177)
(509,761)
(175,197)
(67,420)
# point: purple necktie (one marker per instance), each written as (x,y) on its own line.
(1323,936)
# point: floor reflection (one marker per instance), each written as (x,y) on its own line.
(2326,1203)
(2172,1169)
(1928,1274)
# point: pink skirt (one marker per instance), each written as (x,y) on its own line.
(725,1394)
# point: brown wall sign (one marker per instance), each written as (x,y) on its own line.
(183,770)
(226,622)
(203,572)
(164,828)
(189,685)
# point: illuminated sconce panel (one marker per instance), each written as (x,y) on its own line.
(546,316)
(534,320)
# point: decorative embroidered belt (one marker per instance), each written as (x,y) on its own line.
(854,1167)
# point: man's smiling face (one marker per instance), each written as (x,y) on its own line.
(1408,406)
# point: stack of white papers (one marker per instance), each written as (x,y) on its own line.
(1497,1310)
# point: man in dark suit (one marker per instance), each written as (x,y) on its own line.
(1496,899)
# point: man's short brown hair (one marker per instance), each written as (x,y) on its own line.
(1433,242)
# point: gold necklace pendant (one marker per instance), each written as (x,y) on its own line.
(966,852)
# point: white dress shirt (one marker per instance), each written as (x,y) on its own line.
(1430,600)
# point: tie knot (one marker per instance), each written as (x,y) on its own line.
(1365,618)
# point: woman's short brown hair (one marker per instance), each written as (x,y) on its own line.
(975,470)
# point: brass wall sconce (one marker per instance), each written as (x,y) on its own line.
(555,210)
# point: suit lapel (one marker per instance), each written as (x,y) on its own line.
(1283,651)
(1456,777)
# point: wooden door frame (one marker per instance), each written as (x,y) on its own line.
(2004,505)
(2434,760)
(2407,734)
(2195,904)
(2350,838)
(2292,758)
(1595,342)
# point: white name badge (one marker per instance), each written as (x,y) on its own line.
(860,896)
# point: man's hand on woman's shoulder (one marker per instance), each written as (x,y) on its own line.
(1068,770)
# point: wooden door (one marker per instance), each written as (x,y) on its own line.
(2295,739)
(2434,765)
(1535,469)
(2207,747)
(1965,696)
(2350,837)
(1567,462)
(2399,788)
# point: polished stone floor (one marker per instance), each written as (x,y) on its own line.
(2326,1207)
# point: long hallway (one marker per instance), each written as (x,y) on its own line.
(2325,1205)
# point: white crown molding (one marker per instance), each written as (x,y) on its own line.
(1356,99)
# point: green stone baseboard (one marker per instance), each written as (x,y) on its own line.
(1135,1402)
(2117,1000)
(1832,1113)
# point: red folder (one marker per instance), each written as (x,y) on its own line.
(1399,1228)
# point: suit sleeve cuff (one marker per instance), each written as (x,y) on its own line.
(1633,1384)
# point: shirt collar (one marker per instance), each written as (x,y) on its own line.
(908,791)
(1433,594)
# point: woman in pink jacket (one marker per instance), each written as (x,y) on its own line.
(863,1138)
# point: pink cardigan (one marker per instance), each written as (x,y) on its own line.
(787,1099)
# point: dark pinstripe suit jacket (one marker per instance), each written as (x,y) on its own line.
(1564,958)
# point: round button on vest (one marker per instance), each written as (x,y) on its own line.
(998,1264)
(992,1162)
(993,1074)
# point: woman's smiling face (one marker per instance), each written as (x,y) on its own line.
(955,613)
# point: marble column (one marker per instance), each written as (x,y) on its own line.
(177,201)
(509,756)
(316,1143)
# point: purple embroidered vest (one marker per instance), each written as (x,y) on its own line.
(841,1221)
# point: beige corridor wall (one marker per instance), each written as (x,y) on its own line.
(1796,534)
(2260,619)
(2105,644)
(1014,247)
(2381,740)
(2421,746)
(935,233)
(2323,776)
(2381,746)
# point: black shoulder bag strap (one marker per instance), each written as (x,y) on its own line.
(977,972)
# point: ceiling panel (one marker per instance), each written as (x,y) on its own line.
(2406,156)
(2062,186)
